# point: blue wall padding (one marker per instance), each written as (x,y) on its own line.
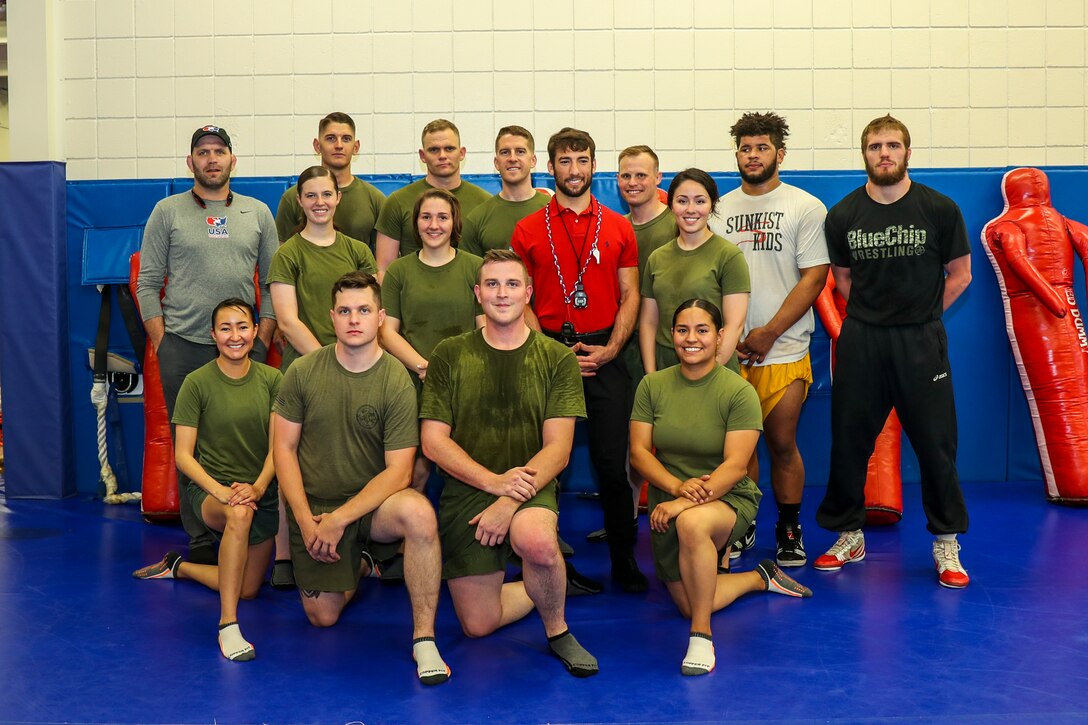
(106,253)
(387,183)
(996,439)
(490,182)
(1021,434)
(34,332)
(102,205)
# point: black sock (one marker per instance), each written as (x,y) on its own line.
(789,513)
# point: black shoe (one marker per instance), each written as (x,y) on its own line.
(725,562)
(202,554)
(165,569)
(791,547)
(373,571)
(283,574)
(778,581)
(602,534)
(392,570)
(746,542)
(565,549)
(579,584)
(597,536)
(628,576)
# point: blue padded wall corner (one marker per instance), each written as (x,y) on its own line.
(34,331)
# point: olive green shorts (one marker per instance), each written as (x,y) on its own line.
(342,575)
(744,499)
(462,554)
(266,519)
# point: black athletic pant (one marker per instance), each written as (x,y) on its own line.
(608,409)
(878,367)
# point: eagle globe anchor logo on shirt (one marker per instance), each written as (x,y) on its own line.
(578,297)
(367,416)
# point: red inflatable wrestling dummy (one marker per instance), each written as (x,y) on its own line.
(160,482)
(1031,247)
(883,480)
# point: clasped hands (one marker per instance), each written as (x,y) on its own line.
(691,492)
(239,494)
(514,487)
(322,535)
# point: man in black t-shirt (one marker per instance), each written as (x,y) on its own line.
(900,257)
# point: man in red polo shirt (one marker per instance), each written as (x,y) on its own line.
(583,260)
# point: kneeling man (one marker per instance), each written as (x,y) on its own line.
(498,413)
(345,441)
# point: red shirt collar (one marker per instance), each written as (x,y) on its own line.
(556,209)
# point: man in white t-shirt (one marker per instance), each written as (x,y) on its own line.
(780,229)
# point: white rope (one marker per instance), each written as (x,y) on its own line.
(99,397)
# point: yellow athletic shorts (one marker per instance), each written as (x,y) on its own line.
(771,381)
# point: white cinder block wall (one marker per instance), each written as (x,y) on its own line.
(979,82)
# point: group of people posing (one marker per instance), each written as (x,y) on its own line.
(481,328)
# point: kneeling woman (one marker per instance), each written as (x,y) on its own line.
(223,444)
(704,421)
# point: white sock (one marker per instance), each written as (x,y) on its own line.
(430,666)
(700,658)
(233,645)
(946,537)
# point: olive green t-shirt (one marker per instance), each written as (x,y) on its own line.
(432,303)
(231,418)
(691,417)
(356,215)
(715,269)
(312,270)
(650,236)
(349,420)
(491,224)
(396,221)
(653,235)
(496,401)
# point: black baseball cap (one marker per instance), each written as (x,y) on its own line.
(220,133)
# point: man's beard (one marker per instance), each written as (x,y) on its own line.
(215,185)
(889,177)
(756,179)
(574,194)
